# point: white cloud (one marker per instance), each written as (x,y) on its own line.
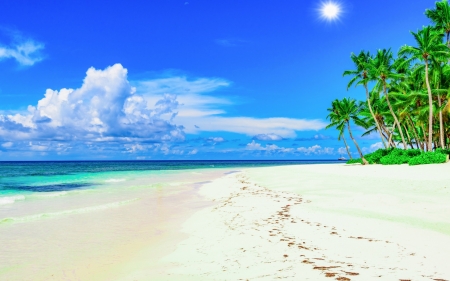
(215,139)
(268,137)
(376,146)
(24,50)
(193,152)
(104,108)
(7,144)
(284,127)
(138,120)
(200,112)
(342,150)
(373,147)
(315,149)
(254,146)
(268,148)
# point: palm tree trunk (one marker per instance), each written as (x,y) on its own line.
(346,147)
(425,138)
(409,138)
(390,141)
(364,161)
(441,124)
(430,104)
(389,138)
(373,115)
(416,135)
(393,115)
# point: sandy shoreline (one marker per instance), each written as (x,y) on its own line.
(305,222)
(320,222)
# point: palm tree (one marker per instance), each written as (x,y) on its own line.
(429,47)
(341,126)
(361,77)
(441,18)
(382,71)
(341,113)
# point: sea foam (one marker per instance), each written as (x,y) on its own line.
(10,199)
(66,212)
(115,180)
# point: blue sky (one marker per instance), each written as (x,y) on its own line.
(193,79)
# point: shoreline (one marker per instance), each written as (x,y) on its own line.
(319,223)
(298,222)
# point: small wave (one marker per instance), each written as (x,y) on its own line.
(52,194)
(66,212)
(115,180)
(10,199)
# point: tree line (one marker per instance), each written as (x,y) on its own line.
(407,94)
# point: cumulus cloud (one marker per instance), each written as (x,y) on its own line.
(215,139)
(373,147)
(110,115)
(104,108)
(268,148)
(315,149)
(342,150)
(267,137)
(25,51)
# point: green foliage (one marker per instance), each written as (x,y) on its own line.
(443,151)
(430,157)
(392,156)
(355,161)
(395,157)
(374,157)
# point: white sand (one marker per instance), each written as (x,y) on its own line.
(293,222)
(319,222)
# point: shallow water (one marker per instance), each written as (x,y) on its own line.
(95,220)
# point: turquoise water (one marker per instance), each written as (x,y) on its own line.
(22,179)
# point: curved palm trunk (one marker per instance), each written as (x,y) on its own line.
(373,115)
(364,161)
(393,115)
(441,124)
(416,134)
(430,104)
(389,136)
(408,136)
(346,147)
(425,138)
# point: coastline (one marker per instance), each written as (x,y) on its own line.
(299,222)
(319,223)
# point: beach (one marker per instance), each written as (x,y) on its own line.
(320,222)
(299,222)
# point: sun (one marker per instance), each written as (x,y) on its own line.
(330,10)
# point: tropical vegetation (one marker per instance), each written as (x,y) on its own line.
(407,97)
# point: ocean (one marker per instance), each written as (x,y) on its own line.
(21,179)
(73,219)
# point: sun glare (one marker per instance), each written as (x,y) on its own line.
(330,10)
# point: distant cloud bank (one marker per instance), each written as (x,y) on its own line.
(111,115)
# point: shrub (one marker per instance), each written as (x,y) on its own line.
(354,161)
(443,151)
(430,157)
(413,152)
(396,156)
(374,157)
